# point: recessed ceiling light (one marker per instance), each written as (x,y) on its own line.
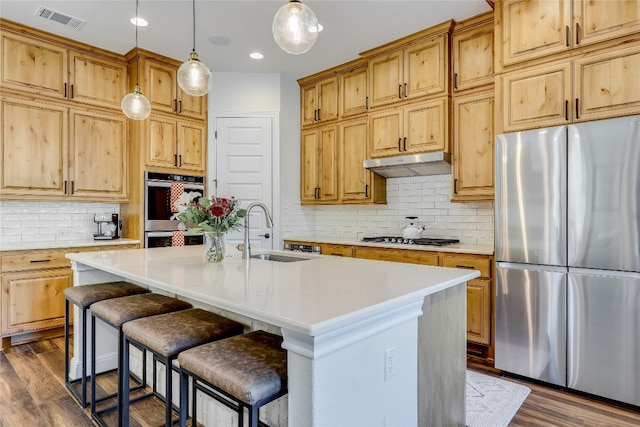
(139,22)
(256,55)
(219,40)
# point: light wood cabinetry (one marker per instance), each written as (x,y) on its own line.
(398,255)
(49,68)
(413,67)
(176,144)
(354,99)
(355,183)
(336,250)
(32,290)
(533,29)
(590,87)
(473,142)
(319,163)
(472,52)
(415,128)
(319,100)
(78,153)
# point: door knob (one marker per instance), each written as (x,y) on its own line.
(266,235)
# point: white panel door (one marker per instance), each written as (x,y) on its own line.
(243,162)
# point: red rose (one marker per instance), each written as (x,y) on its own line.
(217,211)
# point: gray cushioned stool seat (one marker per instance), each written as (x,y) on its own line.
(84,296)
(117,311)
(250,367)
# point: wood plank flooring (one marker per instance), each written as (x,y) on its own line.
(32,393)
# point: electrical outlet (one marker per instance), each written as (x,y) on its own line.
(63,232)
(389,363)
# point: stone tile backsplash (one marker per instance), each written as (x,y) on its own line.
(427,197)
(49,222)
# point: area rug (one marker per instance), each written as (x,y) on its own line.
(491,401)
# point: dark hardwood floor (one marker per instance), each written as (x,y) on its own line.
(32,393)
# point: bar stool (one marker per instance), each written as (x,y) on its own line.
(249,370)
(83,297)
(116,312)
(165,336)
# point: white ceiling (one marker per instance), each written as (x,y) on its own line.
(350,27)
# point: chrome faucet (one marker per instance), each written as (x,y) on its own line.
(246,249)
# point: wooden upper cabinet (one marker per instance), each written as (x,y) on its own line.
(353,93)
(535,28)
(416,70)
(416,128)
(473,142)
(192,139)
(34,65)
(319,101)
(175,144)
(164,93)
(319,165)
(472,52)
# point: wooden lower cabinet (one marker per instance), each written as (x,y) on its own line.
(479,311)
(397,255)
(337,250)
(32,290)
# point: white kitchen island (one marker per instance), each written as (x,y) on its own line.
(360,350)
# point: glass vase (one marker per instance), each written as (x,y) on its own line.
(214,246)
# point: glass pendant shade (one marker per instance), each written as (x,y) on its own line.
(295,28)
(135,105)
(194,77)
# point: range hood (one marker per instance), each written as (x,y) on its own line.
(435,163)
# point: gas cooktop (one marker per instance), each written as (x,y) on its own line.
(421,241)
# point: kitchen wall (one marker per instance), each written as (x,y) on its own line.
(426,197)
(22,222)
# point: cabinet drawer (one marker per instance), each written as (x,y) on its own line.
(336,250)
(397,255)
(34,261)
(483,265)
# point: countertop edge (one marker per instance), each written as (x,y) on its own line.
(30,246)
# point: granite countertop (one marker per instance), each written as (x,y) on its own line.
(457,248)
(26,246)
(313,296)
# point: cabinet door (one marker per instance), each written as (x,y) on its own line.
(597,21)
(329,163)
(35,140)
(328,99)
(479,311)
(192,106)
(353,98)
(535,28)
(161,85)
(608,84)
(385,133)
(385,79)
(192,141)
(355,180)
(473,57)
(308,107)
(309,153)
(33,300)
(426,127)
(33,65)
(96,80)
(473,147)
(426,68)
(398,255)
(161,137)
(535,98)
(98,150)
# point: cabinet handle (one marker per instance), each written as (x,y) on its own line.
(566,35)
(71,97)
(399,144)
(366,190)
(577,33)
(335,254)
(65,187)
(318,114)
(470,267)
(65,90)
(175,105)
(405,90)
(455,186)
(40,260)
(180,161)
(175,160)
(366,102)
(404,144)
(73,187)
(180,105)
(455,80)
(399,91)
(577,110)
(566,110)
(318,193)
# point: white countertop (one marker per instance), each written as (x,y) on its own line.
(65,244)
(457,248)
(313,297)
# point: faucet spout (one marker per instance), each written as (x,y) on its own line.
(246,250)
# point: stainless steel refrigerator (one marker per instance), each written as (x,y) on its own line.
(567,215)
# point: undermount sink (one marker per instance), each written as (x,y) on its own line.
(278,258)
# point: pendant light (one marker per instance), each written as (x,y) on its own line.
(295,28)
(194,76)
(135,105)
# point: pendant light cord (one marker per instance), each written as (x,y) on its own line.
(137,50)
(194,25)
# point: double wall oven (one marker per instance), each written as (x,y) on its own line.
(158,225)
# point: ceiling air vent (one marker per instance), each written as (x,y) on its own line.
(60,17)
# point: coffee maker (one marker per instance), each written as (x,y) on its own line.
(108,226)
